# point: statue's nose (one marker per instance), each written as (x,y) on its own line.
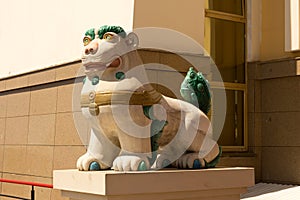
(92,48)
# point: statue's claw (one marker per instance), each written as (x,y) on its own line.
(131,163)
(190,161)
(83,162)
(87,162)
(142,166)
(197,164)
(162,161)
(94,166)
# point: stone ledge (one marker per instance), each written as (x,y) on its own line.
(286,67)
(66,71)
(217,183)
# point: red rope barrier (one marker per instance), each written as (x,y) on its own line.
(26,183)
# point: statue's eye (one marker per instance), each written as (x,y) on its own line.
(108,36)
(86,40)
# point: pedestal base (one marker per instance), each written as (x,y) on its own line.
(206,184)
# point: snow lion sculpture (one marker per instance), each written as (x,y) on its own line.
(134,127)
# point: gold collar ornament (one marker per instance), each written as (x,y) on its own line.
(95,99)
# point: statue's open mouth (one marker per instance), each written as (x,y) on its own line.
(100,66)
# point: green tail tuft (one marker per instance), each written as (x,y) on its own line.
(195,90)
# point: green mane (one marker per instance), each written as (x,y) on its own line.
(104,29)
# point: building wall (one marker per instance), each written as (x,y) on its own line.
(185,17)
(47,33)
(274,118)
(37,130)
(280,86)
(273,97)
(273,31)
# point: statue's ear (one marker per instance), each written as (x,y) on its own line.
(132,40)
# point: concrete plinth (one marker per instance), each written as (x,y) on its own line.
(206,184)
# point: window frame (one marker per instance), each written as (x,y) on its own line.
(231,85)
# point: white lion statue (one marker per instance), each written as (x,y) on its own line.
(134,127)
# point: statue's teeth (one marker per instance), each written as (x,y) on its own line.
(108,64)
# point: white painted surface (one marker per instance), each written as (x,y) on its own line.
(38,34)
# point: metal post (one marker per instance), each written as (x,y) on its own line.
(32,192)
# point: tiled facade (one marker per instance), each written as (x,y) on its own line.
(37,132)
(274,115)
(280,127)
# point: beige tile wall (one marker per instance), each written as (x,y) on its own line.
(3,104)
(44,124)
(280,129)
(280,164)
(18,103)
(43,100)
(1,183)
(14,159)
(2,130)
(1,158)
(24,190)
(16,130)
(2,85)
(37,132)
(275,115)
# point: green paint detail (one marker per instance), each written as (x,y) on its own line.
(95,80)
(115,29)
(94,166)
(142,166)
(84,80)
(120,75)
(104,29)
(215,161)
(148,112)
(195,90)
(91,33)
(156,127)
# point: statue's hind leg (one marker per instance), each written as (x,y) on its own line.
(200,150)
(208,149)
(204,152)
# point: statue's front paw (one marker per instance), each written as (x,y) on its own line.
(189,161)
(89,163)
(131,163)
(162,161)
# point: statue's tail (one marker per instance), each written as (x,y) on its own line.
(195,90)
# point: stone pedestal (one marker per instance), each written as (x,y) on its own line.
(206,184)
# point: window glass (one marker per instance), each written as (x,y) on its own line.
(233,130)
(227,48)
(228,6)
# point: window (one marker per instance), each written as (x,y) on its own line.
(225,30)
